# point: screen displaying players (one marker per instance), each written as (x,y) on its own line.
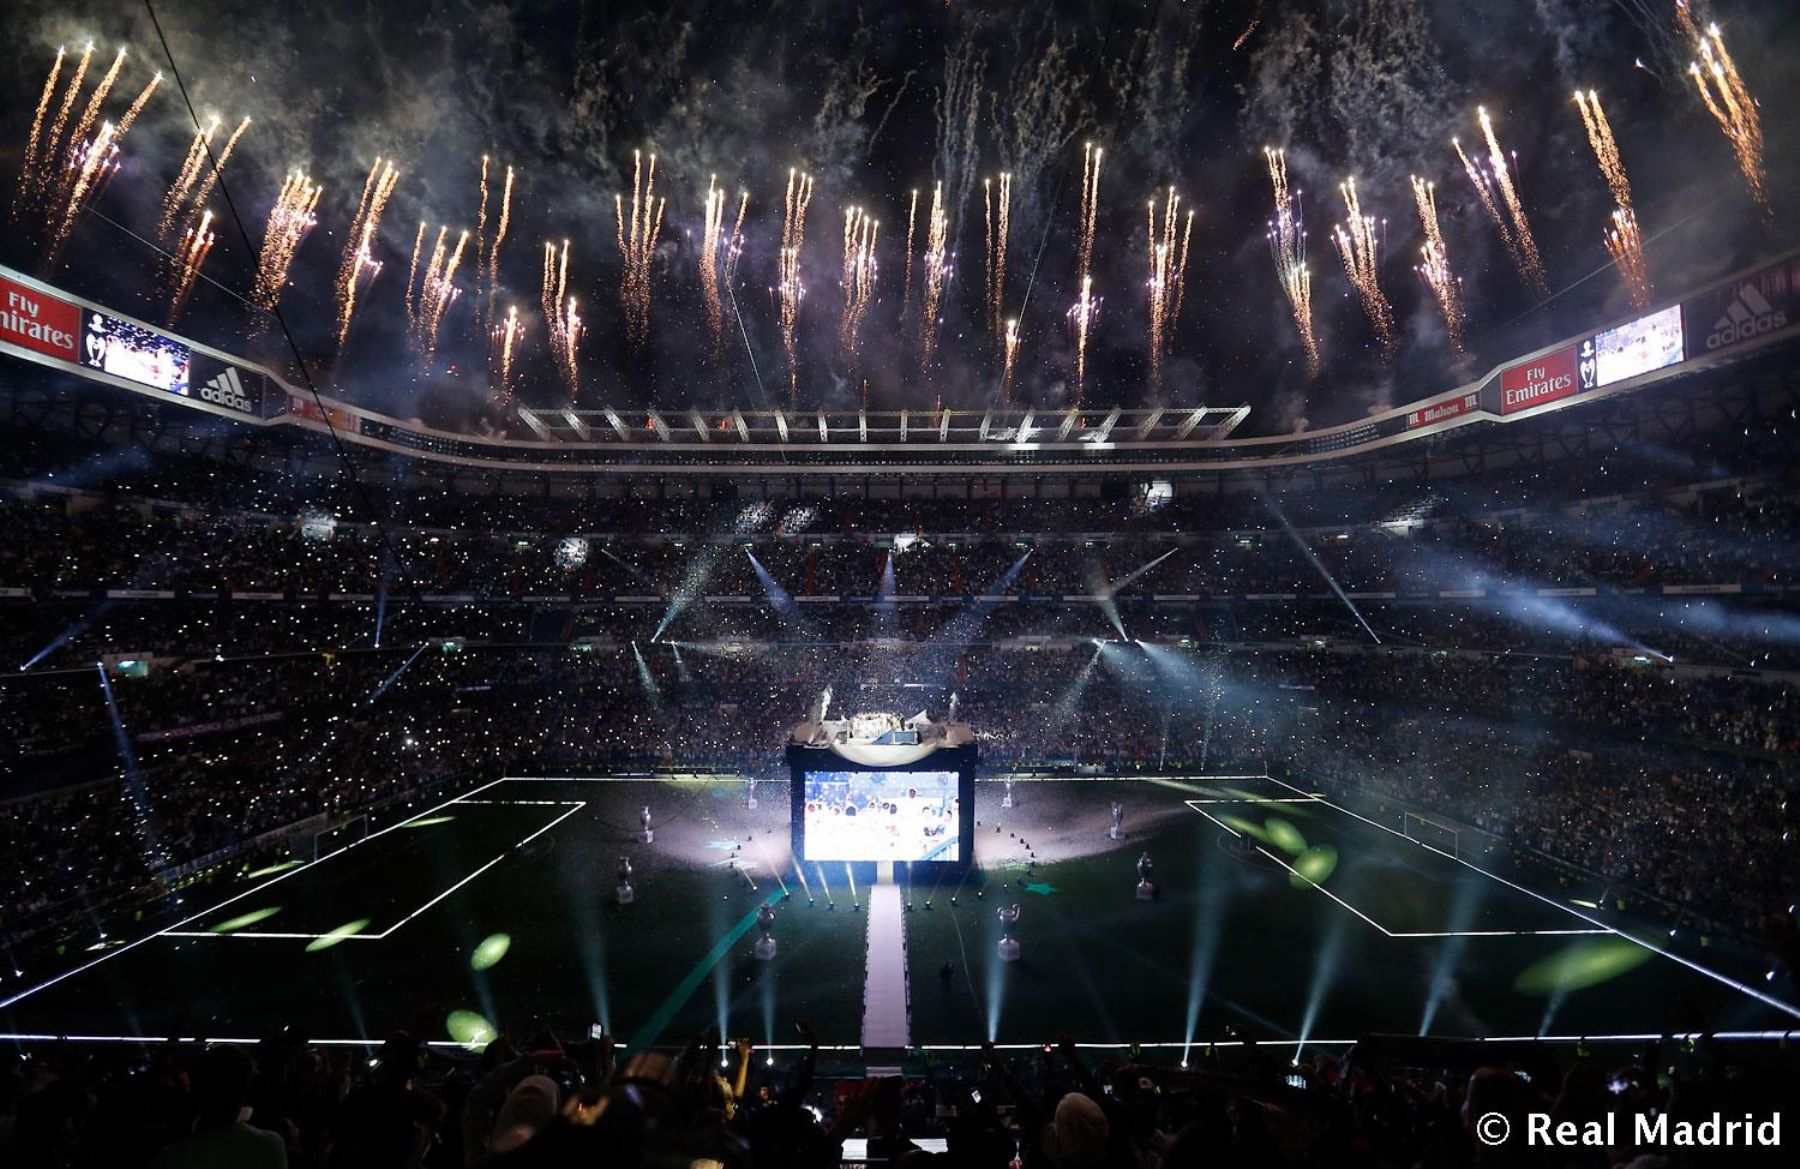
(882,816)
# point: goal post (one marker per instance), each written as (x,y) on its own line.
(311,846)
(1445,838)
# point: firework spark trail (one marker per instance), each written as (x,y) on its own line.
(1731,105)
(789,287)
(559,312)
(184,181)
(734,247)
(91,163)
(938,263)
(709,262)
(1524,246)
(53,141)
(1356,244)
(412,276)
(437,291)
(1081,319)
(1012,358)
(506,340)
(1287,243)
(90,113)
(294,214)
(1083,310)
(204,191)
(912,216)
(421,286)
(999,228)
(1434,268)
(860,233)
(29,168)
(137,105)
(1626,247)
(481,214)
(1168,253)
(492,279)
(1090,203)
(196,243)
(637,243)
(1623,242)
(359,242)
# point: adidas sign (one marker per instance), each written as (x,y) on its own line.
(1748,315)
(226,389)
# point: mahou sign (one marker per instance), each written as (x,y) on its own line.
(1440,411)
(38,322)
(1549,378)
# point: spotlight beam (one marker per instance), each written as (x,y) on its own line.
(1312,558)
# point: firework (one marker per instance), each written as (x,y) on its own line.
(436,291)
(1082,312)
(998,220)
(710,242)
(559,312)
(205,189)
(1012,358)
(1622,240)
(481,229)
(506,340)
(137,105)
(492,279)
(29,168)
(91,112)
(359,263)
(1356,240)
(412,276)
(860,232)
(1287,243)
(1730,103)
(1434,266)
(1168,253)
(790,290)
(89,164)
(196,243)
(912,216)
(938,263)
(293,215)
(1082,315)
(1626,247)
(1500,199)
(184,180)
(52,145)
(637,243)
(1090,203)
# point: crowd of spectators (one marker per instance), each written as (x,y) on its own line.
(543,1102)
(1671,783)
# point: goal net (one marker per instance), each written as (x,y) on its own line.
(311,846)
(1432,834)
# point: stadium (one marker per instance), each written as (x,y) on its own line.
(519,653)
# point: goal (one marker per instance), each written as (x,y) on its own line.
(311,846)
(1445,838)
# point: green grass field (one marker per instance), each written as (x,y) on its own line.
(1279,915)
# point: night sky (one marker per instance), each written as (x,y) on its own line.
(875,100)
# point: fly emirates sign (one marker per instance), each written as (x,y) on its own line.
(43,324)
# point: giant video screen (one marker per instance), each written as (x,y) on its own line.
(908,816)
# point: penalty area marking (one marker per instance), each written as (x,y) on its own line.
(572,806)
(1319,885)
(1602,928)
(169,930)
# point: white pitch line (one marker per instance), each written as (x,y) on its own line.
(24,994)
(1353,909)
(1727,980)
(573,807)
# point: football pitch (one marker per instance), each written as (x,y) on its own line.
(1277,916)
